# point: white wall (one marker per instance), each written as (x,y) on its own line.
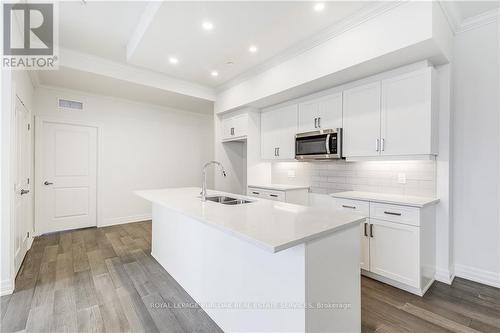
(476,165)
(142,147)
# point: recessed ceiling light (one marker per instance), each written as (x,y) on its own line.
(252,48)
(319,7)
(207,25)
(214,73)
(173,60)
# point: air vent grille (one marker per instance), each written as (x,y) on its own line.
(68,104)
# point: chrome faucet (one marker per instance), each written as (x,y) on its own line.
(204,185)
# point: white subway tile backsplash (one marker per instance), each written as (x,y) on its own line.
(373,176)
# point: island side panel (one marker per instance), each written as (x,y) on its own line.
(217,268)
(334,282)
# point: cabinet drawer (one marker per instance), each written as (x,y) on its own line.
(255,192)
(274,195)
(266,194)
(395,213)
(353,206)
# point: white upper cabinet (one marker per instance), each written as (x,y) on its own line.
(361,132)
(278,129)
(407,115)
(235,127)
(321,113)
(392,117)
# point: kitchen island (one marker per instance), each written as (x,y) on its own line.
(262,265)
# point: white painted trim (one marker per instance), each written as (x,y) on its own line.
(374,9)
(480,20)
(444,276)
(124,219)
(459,25)
(478,275)
(37,177)
(145,21)
(100,66)
(6,287)
(451,13)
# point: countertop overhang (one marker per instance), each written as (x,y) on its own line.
(273,226)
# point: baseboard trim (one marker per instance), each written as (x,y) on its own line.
(6,287)
(124,219)
(444,276)
(478,275)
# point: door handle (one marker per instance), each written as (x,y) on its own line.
(47,183)
(371,230)
(366,233)
(24,191)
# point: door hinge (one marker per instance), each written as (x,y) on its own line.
(29,127)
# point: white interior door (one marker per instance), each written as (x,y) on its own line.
(22,187)
(67,177)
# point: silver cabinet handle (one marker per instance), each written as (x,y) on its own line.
(315,122)
(256,193)
(273,195)
(278,150)
(392,213)
(232,130)
(382,144)
(371,230)
(47,183)
(377,144)
(275,151)
(319,122)
(351,207)
(24,191)
(365,232)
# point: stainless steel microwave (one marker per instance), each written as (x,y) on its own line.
(319,145)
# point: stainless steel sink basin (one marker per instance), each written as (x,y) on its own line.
(228,200)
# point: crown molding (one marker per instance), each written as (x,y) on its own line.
(480,20)
(451,13)
(367,13)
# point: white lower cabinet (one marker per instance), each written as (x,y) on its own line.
(397,243)
(394,249)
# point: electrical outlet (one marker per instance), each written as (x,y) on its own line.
(291,173)
(401,178)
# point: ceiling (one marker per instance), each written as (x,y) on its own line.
(106,29)
(176,30)
(98,84)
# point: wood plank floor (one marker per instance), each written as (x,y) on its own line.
(105,280)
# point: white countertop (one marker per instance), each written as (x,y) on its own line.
(272,225)
(279,187)
(394,199)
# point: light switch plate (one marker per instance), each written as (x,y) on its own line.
(291,173)
(401,178)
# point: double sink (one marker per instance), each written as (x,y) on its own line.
(228,200)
